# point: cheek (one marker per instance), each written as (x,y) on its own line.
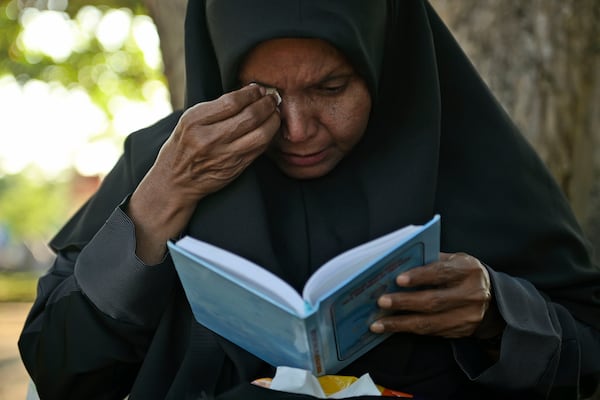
(347,122)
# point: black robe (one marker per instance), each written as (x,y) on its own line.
(105,325)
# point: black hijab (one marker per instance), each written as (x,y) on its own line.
(437,142)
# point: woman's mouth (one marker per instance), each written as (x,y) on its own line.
(304,159)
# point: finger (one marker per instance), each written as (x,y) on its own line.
(216,138)
(450,269)
(436,274)
(453,324)
(257,140)
(226,162)
(226,106)
(436,300)
(247,120)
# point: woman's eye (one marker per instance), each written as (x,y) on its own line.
(332,89)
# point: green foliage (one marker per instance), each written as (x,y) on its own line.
(87,67)
(18,286)
(33,208)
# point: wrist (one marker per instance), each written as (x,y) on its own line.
(492,324)
(157,217)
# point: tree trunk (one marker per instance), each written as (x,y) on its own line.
(542,60)
(169,17)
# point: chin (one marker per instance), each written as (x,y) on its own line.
(304,172)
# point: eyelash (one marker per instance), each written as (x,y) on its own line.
(333,89)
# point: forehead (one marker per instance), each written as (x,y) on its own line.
(293,59)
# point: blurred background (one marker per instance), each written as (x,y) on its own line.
(77,76)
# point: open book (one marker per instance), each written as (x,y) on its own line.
(323,330)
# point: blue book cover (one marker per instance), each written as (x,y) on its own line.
(322,330)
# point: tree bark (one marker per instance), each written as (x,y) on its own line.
(542,60)
(169,17)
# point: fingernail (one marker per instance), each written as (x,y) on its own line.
(274,92)
(402,280)
(377,327)
(384,302)
(263,91)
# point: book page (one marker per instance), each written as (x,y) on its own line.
(255,323)
(347,264)
(245,272)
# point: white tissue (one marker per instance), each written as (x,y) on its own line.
(294,380)
(274,91)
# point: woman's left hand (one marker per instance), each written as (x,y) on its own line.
(454,304)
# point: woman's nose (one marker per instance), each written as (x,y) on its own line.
(297,120)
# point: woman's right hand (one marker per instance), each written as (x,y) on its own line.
(211,145)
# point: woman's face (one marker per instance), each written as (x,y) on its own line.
(325,107)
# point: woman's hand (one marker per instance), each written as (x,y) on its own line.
(211,145)
(456,302)
(215,141)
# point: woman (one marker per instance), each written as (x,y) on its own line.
(383,122)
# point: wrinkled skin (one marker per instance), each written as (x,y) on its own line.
(325,107)
(454,306)
(211,145)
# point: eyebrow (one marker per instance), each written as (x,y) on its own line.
(334,76)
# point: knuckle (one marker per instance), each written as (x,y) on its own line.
(242,125)
(193,115)
(187,114)
(435,303)
(247,120)
(423,326)
(486,296)
(462,259)
(183,125)
(229,103)
(446,270)
(189,132)
(470,262)
(480,296)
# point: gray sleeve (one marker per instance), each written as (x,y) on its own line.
(542,349)
(117,282)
